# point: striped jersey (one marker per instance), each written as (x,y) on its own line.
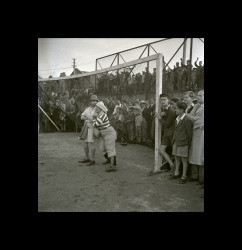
(101,121)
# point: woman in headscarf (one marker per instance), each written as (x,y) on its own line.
(108,136)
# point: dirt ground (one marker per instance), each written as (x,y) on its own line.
(64,185)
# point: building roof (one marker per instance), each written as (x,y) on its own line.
(77,71)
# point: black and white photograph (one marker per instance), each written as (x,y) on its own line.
(121,125)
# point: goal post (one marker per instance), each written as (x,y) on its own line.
(159,66)
(158,61)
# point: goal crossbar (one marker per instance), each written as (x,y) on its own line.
(123,65)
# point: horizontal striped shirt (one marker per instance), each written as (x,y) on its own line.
(101,121)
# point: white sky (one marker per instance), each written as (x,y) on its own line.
(55,55)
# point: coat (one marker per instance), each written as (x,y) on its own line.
(196,153)
(168,122)
(183,132)
(197,116)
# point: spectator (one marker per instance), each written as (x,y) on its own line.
(144,131)
(130,124)
(186,76)
(188,99)
(119,124)
(194,101)
(200,74)
(167,118)
(176,74)
(52,116)
(181,141)
(138,122)
(180,76)
(194,79)
(112,83)
(152,108)
(196,155)
(46,121)
(173,101)
(142,105)
(147,83)
(108,84)
(79,107)
(146,111)
(183,76)
(118,104)
(125,107)
(110,105)
(70,118)
(138,78)
(132,85)
(153,80)
(143,81)
(170,80)
(62,113)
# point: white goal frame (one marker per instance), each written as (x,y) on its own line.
(159,66)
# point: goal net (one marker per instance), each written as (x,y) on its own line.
(137,79)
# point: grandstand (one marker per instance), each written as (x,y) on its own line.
(118,84)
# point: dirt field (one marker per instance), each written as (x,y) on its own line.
(64,185)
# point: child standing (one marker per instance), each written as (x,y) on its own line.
(138,123)
(182,138)
(130,124)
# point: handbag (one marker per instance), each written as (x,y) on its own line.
(84,131)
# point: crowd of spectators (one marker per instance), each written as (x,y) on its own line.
(134,121)
(63,108)
(181,77)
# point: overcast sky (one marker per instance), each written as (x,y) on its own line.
(55,55)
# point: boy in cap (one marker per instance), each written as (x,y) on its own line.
(167,118)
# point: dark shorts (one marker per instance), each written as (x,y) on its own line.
(166,140)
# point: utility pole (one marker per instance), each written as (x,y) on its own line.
(184,51)
(74,65)
(117,76)
(191,50)
(96,77)
(190,73)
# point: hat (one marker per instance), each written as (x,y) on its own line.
(102,106)
(176,99)
(136,107)
(94,97)
(165,95)
(120,108)
(142,101)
